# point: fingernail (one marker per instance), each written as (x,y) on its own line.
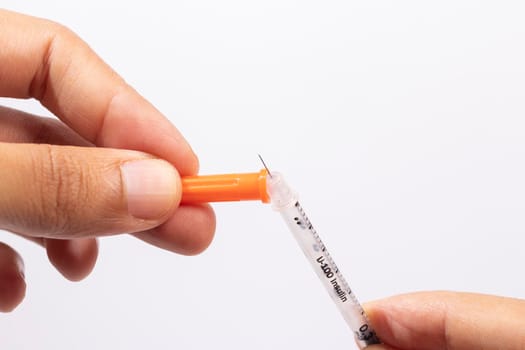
(152,187)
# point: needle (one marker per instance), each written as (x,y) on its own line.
(264,164)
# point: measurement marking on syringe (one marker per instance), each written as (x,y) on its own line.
(285,201)
(306,224)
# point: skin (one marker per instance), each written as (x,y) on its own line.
(62,185)
(447,320)
(61,180)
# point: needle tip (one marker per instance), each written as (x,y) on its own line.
(264,164)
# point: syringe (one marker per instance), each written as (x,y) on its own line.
(284,200)
(271,187)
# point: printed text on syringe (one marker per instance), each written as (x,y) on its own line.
(329,274)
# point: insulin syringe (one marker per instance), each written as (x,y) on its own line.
(270,187)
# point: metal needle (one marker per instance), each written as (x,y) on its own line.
(264,164)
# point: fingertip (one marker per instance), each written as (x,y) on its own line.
(189,231)
(198,236)
(406,319)
(74,259)
(12,291)
(12,280)
(373,309)
(387,316)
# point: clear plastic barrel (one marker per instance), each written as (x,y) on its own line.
(284,200)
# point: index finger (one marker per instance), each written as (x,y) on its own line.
(45,60)
(446,320)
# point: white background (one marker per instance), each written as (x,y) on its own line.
(400,123)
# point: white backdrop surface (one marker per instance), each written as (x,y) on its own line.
(400,123)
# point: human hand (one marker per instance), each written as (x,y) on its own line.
(446,320)
(110,165)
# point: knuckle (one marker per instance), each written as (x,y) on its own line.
(57,29)
(59,46)
(63,190)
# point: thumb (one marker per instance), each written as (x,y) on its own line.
(70,192)
(448,320)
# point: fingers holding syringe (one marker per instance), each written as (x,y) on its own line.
(447,320)
(189,231)
(60,70)
(66,192)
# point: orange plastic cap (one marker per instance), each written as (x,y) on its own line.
(225,188)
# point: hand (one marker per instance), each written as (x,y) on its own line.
(446,320)
(110,165)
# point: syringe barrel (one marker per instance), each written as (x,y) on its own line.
(284,200)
